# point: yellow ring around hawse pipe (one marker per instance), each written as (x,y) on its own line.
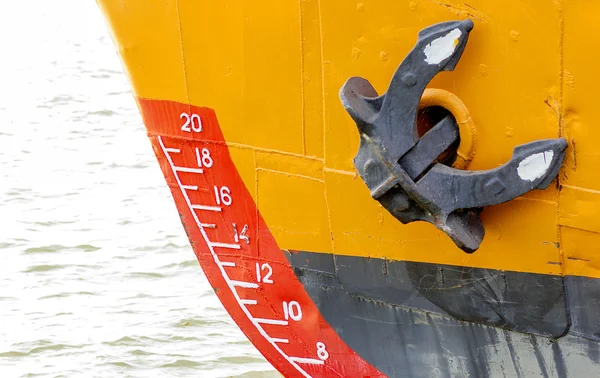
(466,126)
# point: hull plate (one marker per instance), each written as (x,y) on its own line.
(423,320)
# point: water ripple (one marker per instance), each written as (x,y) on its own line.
(182,363)
(97,277)
(43,268)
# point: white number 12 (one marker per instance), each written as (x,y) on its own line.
(267,276)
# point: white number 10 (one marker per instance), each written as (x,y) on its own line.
(292,311)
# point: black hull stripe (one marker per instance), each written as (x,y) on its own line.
(426,320)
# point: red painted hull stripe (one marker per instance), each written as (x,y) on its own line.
(236,250)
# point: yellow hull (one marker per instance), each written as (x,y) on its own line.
(272,72)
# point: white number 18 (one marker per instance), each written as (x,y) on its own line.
(203,158)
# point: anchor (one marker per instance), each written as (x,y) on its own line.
(401,169)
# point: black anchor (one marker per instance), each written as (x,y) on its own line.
(400,169)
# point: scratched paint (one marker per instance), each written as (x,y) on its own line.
(442,48)
(535,166)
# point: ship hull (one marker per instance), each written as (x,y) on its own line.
(241,104)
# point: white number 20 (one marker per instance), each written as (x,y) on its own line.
(192,120)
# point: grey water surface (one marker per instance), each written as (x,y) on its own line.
(97,277)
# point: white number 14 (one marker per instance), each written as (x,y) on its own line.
(241,236)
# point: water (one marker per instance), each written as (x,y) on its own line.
(97,277)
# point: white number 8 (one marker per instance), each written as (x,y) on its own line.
(322,351)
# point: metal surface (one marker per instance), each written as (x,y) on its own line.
(401,170)
(411,319)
